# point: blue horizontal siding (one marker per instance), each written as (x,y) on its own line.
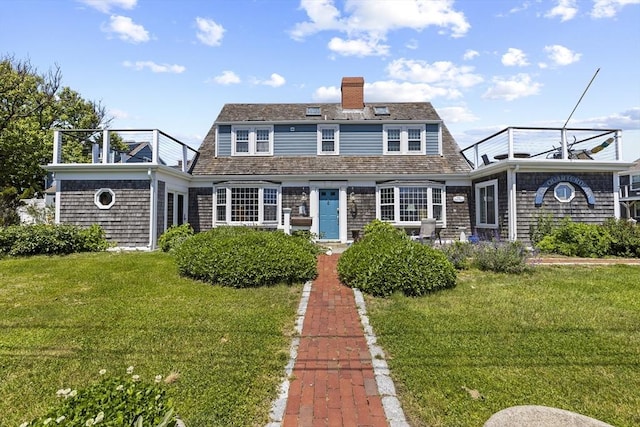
(224,141)
(302,141)
(360,139)
(433,139)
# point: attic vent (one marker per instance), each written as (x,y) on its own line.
(313,111)
(381,111)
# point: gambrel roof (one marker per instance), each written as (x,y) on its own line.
(451,161)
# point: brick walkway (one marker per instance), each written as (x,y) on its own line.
(333,382)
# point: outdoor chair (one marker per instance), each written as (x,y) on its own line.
(427,230)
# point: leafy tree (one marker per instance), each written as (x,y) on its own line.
(32,104)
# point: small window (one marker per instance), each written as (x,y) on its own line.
(487,204)
(104,198)
(313,111)
(564,192)
(635,182)
(328,139)
(381,111)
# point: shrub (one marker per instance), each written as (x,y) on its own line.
(501,257)
(174,237)
(625,237)
(45,239)
(241,257)
(387,261)
(543,226)
(459,254)
(113,401)
(577,239)
(9,202)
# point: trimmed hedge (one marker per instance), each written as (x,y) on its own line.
(387,261)
(174,237)
(47,239)
(241,257)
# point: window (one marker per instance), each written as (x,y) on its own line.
(635,182)
(381,111)
(404,139)
(313,111)
(328,139)
(487,204)
(104,198)
(252,141)
(246,205)
(410,204)
(564,192)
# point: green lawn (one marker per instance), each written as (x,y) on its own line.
(566,337)
(62,319)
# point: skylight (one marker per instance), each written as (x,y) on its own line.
(313,111)
(381,111)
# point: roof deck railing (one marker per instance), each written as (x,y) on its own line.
(537,143)
(121,146)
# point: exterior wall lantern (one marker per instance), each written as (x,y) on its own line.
(353,207)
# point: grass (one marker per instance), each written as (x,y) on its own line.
(65,318)
(566,337)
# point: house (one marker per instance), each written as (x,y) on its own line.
(630,192)
(331,168)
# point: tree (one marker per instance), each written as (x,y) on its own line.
(32,104)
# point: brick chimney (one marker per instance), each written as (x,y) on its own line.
(352,93)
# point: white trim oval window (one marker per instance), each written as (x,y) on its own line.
(104,198)
(564,192)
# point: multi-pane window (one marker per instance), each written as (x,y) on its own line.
(404,139)
(244,204)
(635,182)
(487,203)
(221,204)
(270,204)
(411,203)
(328,142)
(387,206)
(252,140)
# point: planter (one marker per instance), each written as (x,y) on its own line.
(301,221)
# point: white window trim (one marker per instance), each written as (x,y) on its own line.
(260,221)
(252,140)
(573,192)
(396,203)
(404,139)
(494,183)
(96,198)
(634,187)
(336,136)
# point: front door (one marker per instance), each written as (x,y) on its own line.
(329,214)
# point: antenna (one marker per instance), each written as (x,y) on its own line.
(583,94)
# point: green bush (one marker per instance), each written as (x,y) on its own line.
(113,401)
(385,261)
(577,239)
(459,254)
(501,257)
(9,203)
(174,237)
(543,226)
(625,237)
(46,239)
(241,257)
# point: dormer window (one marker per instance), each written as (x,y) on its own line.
(252,140)
(381,111)
(313,111)
(328,139)
(400,139)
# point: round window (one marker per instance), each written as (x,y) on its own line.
(104,198)
(564,192)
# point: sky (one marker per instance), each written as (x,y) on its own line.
(484,64)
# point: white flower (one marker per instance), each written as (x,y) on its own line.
(24,424)
(120,387)
(47,421)
(89,422)
(60,419)
(63,392)
(135,377)
(158,378)
(99,417)
(73,393)
(130,370)
(102,371)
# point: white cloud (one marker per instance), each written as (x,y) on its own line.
(514,58)
(469,54)
(226,78)
(366,23)
(440,73)
(327,94)
(561,55)
(511,88)
(625,120)
(565,9)
(118,114)
(456,115)
(209,32)
(276,80)
(155,68)
(126,29)
(391,90)
(105,6)
(609,8)
(412,44)
(357,47)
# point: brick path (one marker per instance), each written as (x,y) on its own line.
(333,381)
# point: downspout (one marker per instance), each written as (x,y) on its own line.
(153,209)
(616,197)
(512,206)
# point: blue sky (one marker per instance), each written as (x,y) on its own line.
(483,64)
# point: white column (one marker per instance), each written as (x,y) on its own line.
(154,147)
(563,139)
(512,205)
(510,143)
(616,196)
(153,209)
(619,146)
(57,142)
(105,146)
(287,220)
(342,215)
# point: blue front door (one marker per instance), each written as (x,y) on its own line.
(329,213)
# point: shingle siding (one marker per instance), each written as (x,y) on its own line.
(201,208)
(126,223)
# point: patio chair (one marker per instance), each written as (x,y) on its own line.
(427,230)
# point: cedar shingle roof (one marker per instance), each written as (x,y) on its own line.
(207,164)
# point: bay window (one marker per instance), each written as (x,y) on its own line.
(410,204)
(256,205)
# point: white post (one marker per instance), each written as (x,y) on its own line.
(512,205)
(510,143)
(616,195)
(476,155)
(57,142)
(105,146)
(563,139)
(185,153)
(618,145)
(153,209)
(154,147)
(95,153)
(287,220)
